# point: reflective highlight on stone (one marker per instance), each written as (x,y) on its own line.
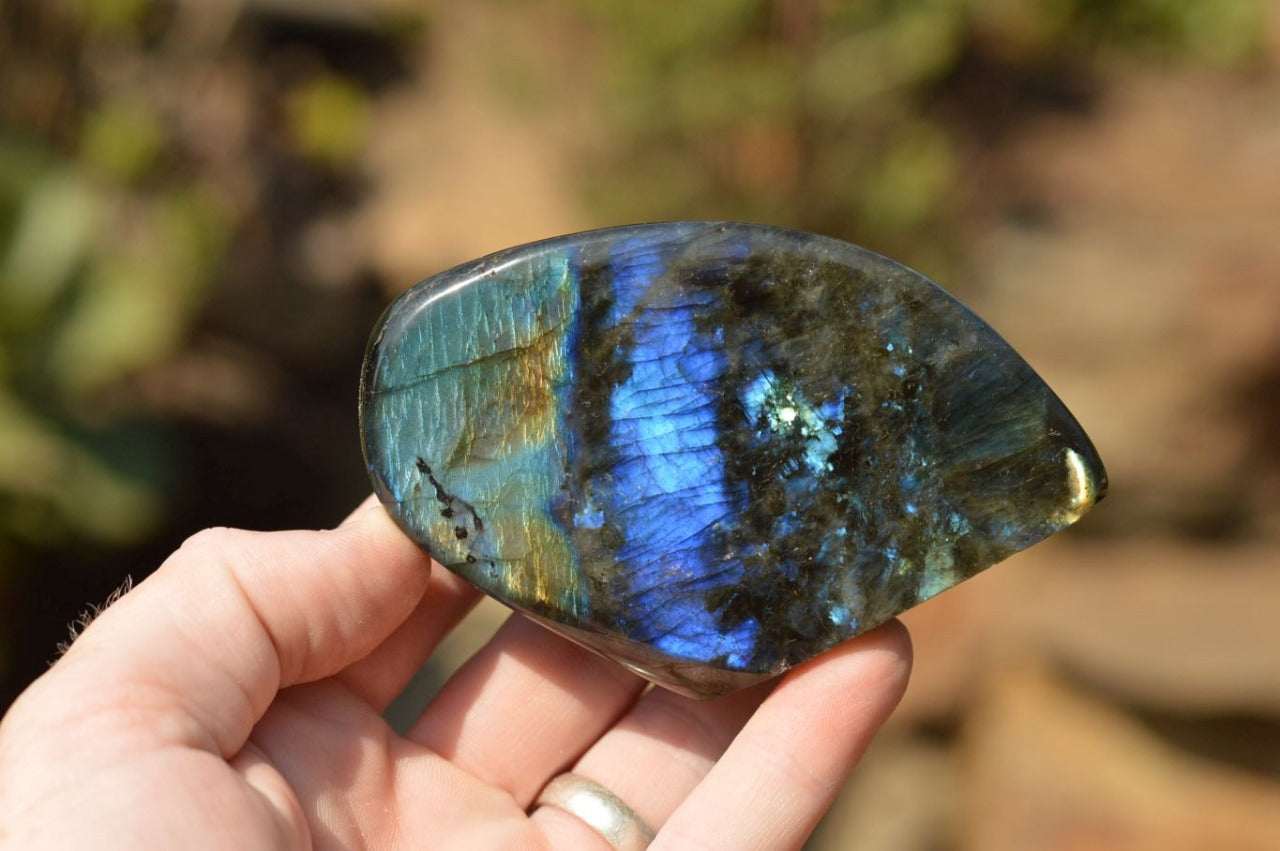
(711,451)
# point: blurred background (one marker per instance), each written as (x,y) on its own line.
(205,204)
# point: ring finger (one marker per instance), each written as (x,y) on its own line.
(654,757)
(658,755)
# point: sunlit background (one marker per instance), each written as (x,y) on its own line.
(204,205)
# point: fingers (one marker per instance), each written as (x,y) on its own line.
(203,645)
(283,806)
(524,708)
(814,726)
(379,677)
(783,770)
(362,787)
(655,756)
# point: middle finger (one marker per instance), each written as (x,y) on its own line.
(524,708)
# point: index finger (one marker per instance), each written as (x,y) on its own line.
(197,652)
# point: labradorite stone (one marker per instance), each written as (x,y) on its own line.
(711,451)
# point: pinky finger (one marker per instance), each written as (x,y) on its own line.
(781,773)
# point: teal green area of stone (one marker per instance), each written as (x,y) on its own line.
(711,451)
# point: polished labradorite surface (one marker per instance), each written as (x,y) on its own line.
(707,450)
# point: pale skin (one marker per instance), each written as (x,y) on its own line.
(233,700)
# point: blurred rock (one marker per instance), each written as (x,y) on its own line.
(903,797)
(1161,623)
(1047,769)
(1156,622)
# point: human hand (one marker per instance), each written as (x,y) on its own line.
(233,700)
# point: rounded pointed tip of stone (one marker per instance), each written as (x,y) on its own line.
(1086,476)
(1098,474)
(1086,483)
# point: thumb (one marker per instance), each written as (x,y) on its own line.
(199,650)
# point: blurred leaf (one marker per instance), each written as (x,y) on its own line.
(672,32)
(22,164)
(1226,31)
(711,96)
(122,139)
(120,322)
(328,119)
(111,15)
(139,293)
(896,50)
(55,475)
(53,232)
(1221,33)
(1022,30)
(910,182)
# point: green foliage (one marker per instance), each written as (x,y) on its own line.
(328,119)
(1222,32)
(104,260)
(115,16)
(794,113)
(122,139)
(824,114)
(96,282)
(910,181)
